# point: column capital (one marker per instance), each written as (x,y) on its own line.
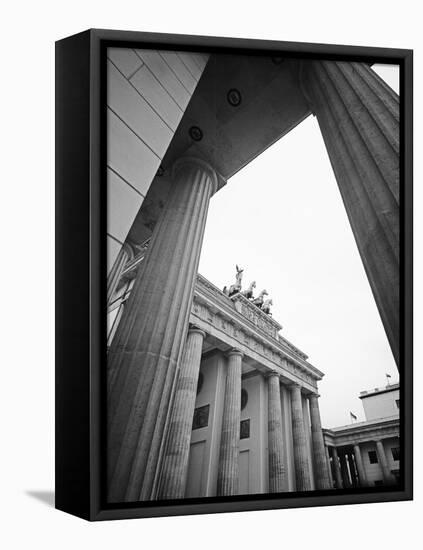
(193,329)
(270,373)
(294,385)
(198,163)
(234,351)
(313,395)
(127,247)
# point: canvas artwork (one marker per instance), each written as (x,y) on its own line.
(233,274)
(253,275)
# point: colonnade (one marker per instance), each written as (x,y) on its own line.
(175,465)
(348,468)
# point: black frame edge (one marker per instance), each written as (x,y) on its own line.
(72,384)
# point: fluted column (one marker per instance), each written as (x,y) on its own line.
(302,467)
(329,466)
(358,115)
(125,254)
(362,477)
(336,468)
(175,466)
(321,472)
(388,478)
(353,470)
(344,470)
(275,439)
(228,469)
(148,344)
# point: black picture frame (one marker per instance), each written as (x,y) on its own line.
(80,273)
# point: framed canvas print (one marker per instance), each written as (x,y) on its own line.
(234,274)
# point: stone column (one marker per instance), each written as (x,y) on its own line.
(175,466)
(329,466)
(358,115)
(147,347)
(228,469)
(362,477)
(388,478)
(344,471)
(321,472)
(275,439)
(113,278)
(353,470)
(336,468)
(302,469)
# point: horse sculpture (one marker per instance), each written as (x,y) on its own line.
(235,288)
(266,306)
(260,298)
(249,292)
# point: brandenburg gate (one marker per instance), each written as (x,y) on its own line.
(240,106)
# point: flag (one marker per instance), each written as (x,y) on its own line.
(352,415)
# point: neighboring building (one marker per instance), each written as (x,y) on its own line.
(276,449)
(367,453)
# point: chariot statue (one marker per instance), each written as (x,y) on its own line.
(266,306)
(249,292)
(260,298)
(235,288)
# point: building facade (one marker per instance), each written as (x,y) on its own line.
(366,454)
(246,399)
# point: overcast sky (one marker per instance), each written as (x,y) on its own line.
(282,219)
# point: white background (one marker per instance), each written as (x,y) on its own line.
(29,30)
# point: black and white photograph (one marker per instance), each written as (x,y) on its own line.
(212,264)
(253,275)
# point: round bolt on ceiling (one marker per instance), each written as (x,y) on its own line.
(196,133)
(234,97)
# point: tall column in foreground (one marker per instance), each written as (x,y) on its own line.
(362,477)
(321,471)
(358,115)
(228,469)
(388,477)
(275,439)
(175,467)
(148,344)
(302,469)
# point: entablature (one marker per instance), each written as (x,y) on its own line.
(362,432)
(224,319)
